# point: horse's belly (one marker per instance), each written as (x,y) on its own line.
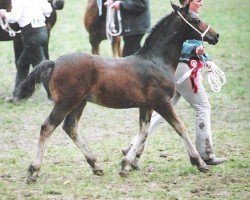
(117,97)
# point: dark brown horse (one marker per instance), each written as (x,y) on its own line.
(96,26)
(17,41)
(144,80)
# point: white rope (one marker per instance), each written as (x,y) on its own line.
(6,27)
(216,77)
(111,30)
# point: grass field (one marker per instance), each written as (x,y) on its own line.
(166,171)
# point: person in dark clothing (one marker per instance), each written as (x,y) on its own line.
(135,22)
(31,19)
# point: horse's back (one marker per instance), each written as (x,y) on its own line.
(129,82)
(87,74)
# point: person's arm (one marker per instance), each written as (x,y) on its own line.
(16,12)
(47,9)
(188,50)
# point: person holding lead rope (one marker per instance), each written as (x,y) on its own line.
(135,21)
(189,85)
(30,16)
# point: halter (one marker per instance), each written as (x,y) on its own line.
(111,30)
(6,27)
(216,77)
(202,34)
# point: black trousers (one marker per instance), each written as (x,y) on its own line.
(35,42)
(132,43)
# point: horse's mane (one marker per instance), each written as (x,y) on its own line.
(157,28)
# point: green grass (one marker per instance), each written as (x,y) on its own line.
(66,175)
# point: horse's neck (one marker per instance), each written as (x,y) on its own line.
(165,45)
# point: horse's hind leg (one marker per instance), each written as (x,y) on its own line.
(138,146)
(70,126)
(54,119)
(166,110)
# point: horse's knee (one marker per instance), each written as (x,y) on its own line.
(44,130)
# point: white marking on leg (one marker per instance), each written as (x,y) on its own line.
(139,141)
(43,139)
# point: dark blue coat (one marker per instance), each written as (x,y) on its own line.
(135,17)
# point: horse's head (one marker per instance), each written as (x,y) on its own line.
(57,4)
(196,28)
(5,4)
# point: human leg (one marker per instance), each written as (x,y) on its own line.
(132,43)
(35,41)
(199,101)
(22,67)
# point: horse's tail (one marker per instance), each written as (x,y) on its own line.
(41,73)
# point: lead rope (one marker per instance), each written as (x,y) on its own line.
(111,30)
(216,77)
(6,27)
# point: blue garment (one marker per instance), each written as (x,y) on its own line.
(99,4)
(188,51)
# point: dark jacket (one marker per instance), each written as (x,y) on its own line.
(135,17)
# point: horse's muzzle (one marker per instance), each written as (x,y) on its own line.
(214,40)
(58,5)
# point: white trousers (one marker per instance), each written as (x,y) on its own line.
(198,101)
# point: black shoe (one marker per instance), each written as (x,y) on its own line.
(11,99)
(215,161)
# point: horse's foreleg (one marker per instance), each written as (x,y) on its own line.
(138,145)
(167,112)
(116,47)
(135,164)
(47,129)
(70,126)
(95,43)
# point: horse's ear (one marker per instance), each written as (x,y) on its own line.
(186,8)
(175,7)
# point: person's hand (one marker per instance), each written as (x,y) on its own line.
(200,50)
(116,5)
(209,65)
(108,2)
(2,13)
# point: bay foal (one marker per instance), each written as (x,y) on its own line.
(144,80)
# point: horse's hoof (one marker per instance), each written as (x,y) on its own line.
(126,150)
(31,179)
(135,166)
(203,168)
(98,172)
(124,173)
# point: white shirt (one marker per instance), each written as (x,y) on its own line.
(25,12)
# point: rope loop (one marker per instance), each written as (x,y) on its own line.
(6,27)
(216,77)
(111,30)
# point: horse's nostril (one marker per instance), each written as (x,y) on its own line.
(218,35)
